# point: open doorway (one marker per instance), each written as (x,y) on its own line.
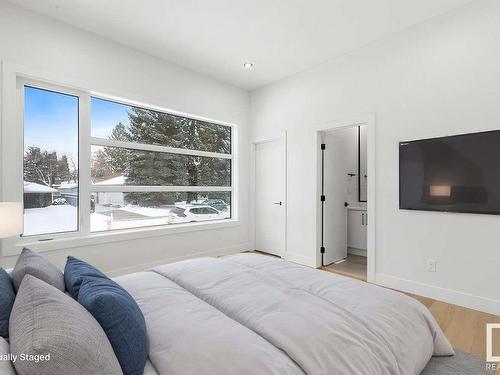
(344,209)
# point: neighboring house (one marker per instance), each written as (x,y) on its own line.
(37,196)
(111,198)
(69,191)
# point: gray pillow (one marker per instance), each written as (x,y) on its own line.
(6,367)
(31,263)
(45,321)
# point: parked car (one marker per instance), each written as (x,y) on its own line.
(218,204)
(190,212)
(59,202)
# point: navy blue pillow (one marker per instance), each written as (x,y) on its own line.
(7,297)
(74,273)
(120,318)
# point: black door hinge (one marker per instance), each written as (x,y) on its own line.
(323,198)
(322,249)
(323,146)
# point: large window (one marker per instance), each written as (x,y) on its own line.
(131,166)
(147,165)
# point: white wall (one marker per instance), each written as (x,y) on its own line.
(438,78)
(107,67)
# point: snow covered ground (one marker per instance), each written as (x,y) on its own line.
(64,218)
(148,211)
(131,216)
(100,222)
(51,219)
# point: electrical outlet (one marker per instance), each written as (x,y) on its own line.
(431,265)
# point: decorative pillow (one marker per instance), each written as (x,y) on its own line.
(31,263)
(121,319)
(6,367)
(7,297)
(74,273)
(63,335)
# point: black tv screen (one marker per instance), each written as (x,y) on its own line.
(458,173)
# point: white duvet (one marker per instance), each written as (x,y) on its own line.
(252,314)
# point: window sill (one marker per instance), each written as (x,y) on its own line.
(116,236)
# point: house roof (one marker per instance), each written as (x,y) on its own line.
(34,188)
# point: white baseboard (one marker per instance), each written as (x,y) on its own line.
(210,253)
(359,252)
(300,259)
(470,301)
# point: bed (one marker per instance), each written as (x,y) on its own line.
(253,314)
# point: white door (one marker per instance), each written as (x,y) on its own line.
(335,188)
(270,197)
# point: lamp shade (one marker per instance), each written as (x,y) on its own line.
(11,219)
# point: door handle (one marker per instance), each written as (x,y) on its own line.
(362,219)
(279,203)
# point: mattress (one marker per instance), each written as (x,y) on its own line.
(253,314)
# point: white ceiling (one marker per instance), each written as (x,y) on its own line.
(215,37)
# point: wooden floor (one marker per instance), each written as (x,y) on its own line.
(353,266)
(465,328)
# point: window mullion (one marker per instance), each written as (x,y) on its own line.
(84,149)
(156,148)
(234,173)
(145,188)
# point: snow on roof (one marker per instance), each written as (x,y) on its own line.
(119,180)
(34,188)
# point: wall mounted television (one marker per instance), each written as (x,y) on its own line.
(459,173)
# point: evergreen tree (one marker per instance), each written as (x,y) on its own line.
(151,168)
(164,169)
(118,156)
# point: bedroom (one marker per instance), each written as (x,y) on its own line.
(241,92)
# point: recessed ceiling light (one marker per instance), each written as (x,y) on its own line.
(248,65)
